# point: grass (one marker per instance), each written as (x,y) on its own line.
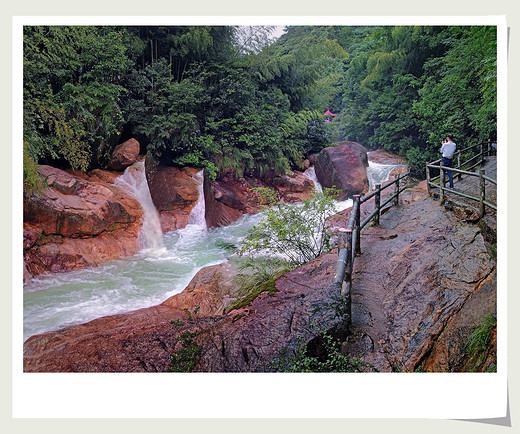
(477,343)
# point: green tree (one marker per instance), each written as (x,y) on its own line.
(296,233)
(72,92)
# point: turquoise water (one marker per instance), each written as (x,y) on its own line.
(156,273)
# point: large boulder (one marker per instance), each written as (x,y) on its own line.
(228,199)
(125,154)
(343,166)
(75,222)
(174,192)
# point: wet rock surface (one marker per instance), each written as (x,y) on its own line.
(229,198)
(77,222)
(174,193)
(343,166)
(423,281)
(243,340)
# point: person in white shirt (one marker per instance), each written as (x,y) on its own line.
(448,150)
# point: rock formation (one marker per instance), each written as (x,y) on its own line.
(229,198)
(414,309)
(343,166)
(77,222)
(174,193)
(125,154)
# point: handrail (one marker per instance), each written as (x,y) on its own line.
(437,164)
(349,241)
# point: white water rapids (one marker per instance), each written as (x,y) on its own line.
(164,266)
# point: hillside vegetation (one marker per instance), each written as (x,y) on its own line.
(231,100)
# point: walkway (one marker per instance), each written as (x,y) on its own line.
(419,276)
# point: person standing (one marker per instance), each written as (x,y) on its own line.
(448,150)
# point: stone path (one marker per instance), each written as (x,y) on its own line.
(416,274)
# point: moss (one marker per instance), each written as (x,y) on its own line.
(267,286)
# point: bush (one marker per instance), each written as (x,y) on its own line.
(297,233)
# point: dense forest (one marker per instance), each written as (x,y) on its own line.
(232,100)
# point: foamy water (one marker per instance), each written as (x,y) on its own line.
(163,267)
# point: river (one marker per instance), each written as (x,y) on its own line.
(164,266)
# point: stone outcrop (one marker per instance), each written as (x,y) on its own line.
(245,340)
(125,154)
(174,193)
(229,198)
(77,222)
(416,308)
(343,166)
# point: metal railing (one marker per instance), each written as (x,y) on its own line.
(485,150)
(349,241)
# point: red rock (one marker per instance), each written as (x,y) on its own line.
(343,166)
(76,222)
(125,154)
(384,157)
(416,306)
(174,193)
(229,198)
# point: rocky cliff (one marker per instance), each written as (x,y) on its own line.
(78,221)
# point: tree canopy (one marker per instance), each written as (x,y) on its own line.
(232,100)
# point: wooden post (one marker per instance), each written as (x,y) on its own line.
(482,207)
(347,286)
(396,198)
(459,175)
(345,242)
(481,154)
(441,184)
(378,204)
(357,225)
(428,186)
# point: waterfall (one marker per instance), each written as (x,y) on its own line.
(311,174)
(378,173)
(134,182)
(198,213)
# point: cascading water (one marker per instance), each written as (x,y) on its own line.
(378,173)
(143,280)
(197,215)
(311,174)
(134,182)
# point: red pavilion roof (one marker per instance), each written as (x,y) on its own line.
(328,113)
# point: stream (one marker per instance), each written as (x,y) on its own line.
(163,267)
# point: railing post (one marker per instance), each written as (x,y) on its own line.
(396,198)
(357,226)
(441,183)
(428,186)
(459,175)
(345,243)
(481,154)
(482,207)
(378,204)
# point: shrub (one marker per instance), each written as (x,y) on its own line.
(297,233)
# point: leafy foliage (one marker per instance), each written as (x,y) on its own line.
(295,233)
(233,101)
(327,359)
